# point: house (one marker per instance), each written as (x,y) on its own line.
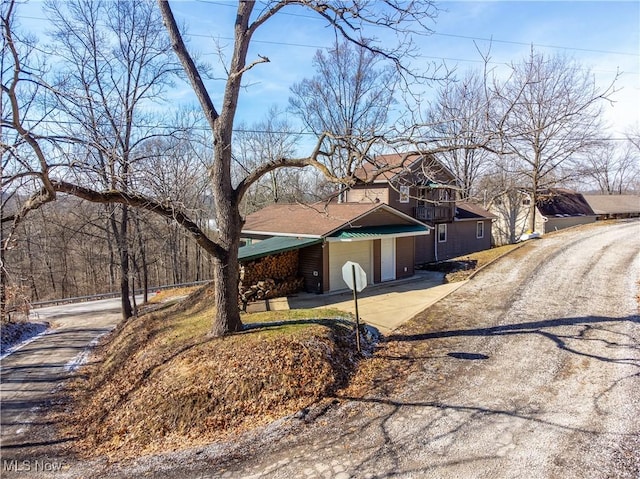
(556,209)
(614,206)
(423,188)
(326,235)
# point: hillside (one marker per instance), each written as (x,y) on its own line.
(159,383)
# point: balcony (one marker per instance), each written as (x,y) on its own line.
(434,213)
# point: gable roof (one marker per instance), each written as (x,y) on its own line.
(312,221)
(395,165)
(562,202)
(613,204)
(470,211)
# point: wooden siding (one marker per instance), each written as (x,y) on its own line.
(461,239)
(325,267)
(424,252)
(405,256)
(377,261)
(310,262)
(368,194)
(381,218)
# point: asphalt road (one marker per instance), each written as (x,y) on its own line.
(30,374)
(531,369)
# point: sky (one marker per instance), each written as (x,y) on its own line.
(603,36)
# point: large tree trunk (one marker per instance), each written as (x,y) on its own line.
(226,274)
(123,250)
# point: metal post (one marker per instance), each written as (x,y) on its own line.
(355,299)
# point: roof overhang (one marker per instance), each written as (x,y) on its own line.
(278,233)
(367,233)
(381,206)
(275,245)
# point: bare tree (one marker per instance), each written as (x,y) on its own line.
(350,94)
(114,58)
(551,115)
(460,116)
(347,20)
(267,140)
(614,168)
(227,194)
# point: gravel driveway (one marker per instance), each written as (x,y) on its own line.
(532,370)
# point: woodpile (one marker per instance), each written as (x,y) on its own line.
(278,266)
(269,277)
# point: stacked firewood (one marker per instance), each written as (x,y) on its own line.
(269,277)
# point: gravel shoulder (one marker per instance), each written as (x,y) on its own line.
(532,369)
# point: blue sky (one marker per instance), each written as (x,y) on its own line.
(604,36)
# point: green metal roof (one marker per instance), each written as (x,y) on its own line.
(277,244)
(376,231)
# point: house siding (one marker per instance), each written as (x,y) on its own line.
(405,256)
(310,262)
(394,201)
(381,218)
(555,224)
(377,261)
(461,240)
(368,194)
(424,252)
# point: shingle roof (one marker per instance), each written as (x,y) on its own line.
(613,204)
(398,163)
(469,211)
(562,202)
(315,220)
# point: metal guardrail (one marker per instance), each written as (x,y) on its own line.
(97,297)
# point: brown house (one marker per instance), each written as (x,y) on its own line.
(378,237)
(423,188)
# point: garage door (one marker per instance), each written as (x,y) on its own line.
(339,253)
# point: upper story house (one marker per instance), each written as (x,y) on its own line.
(423,188)
(417,185)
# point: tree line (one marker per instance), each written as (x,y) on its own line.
(106,185)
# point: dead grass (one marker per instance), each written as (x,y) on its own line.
(481,259)
(160,383)
(169,294)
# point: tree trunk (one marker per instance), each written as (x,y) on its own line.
(123,250)
(226,274)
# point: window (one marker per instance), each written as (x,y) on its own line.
(442,233)
(443,195)
(480,229)
(526,202)
(404,194)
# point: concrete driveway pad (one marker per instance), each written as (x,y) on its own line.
(386,306)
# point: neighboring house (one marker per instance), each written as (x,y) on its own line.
(556,209)
(378,237)
(423,188)
(614,206)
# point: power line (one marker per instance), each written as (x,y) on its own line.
(252,130)
(441,34)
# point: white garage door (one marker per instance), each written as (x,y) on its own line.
(339,253)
